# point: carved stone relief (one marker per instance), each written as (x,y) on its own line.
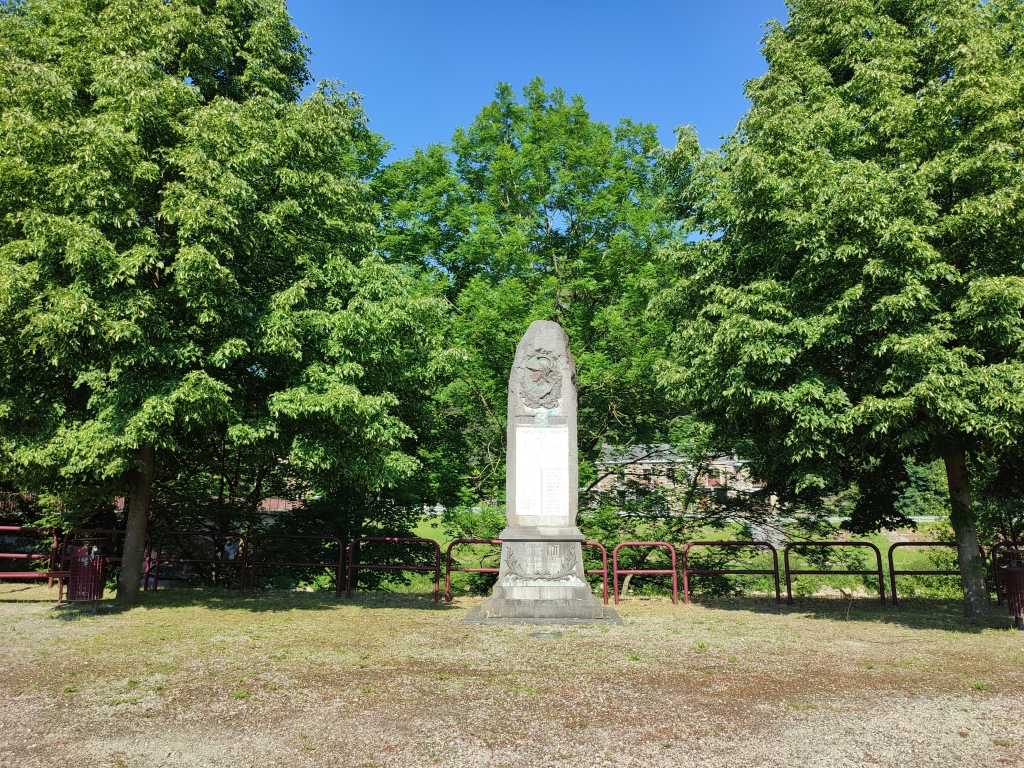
(542,381)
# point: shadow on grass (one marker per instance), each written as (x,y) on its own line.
(912,613)
(27,594)
(284,600)
(233,599)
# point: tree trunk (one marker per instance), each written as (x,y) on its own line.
(636,566)
(972,567)
(137,516)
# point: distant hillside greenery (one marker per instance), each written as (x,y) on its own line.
(215,292)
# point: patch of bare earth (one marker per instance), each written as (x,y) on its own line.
(203,679)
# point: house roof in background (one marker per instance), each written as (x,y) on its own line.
(653,453)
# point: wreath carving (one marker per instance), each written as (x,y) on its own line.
(515,570)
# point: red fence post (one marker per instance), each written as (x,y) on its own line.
(354,565)
(351,566)
(687,570)
(338,566)
(604,566)
(616,572)
(793,572)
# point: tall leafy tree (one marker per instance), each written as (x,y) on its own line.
(859,297)
(535,211)
(186,257)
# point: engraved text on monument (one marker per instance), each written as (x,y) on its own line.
(542,471)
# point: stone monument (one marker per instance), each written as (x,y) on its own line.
(541,576)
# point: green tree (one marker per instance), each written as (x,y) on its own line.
(1000,495)
(186,259)
(535,211)
(858,297)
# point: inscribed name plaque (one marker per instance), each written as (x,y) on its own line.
(542,472)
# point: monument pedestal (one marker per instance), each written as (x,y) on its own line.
(542,580)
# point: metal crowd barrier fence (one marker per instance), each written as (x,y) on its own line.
(498,542)
(354,565)
(790,572)
(616,572)
(730,571)
(336,566)
(52,572)
(239,561)
(893,573)
(993,556)
(59,557)
(448,567)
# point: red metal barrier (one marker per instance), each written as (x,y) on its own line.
(239,561)
(448,567)
(498,542)
(616,572)
(893,573)
(604,566)
(993,556)
(353,565)
(738,571)
(49,574)
(791,572)
(337,567)
(74,532)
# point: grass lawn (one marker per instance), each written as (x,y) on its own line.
(197,677)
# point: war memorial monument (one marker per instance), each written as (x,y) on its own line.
(541,577)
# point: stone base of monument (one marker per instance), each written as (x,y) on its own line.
(478,615)
(541,581)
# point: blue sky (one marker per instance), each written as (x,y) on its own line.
(425,68)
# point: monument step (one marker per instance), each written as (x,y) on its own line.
(606,616)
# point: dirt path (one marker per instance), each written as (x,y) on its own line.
(193,679)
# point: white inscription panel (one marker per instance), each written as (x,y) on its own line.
(542,471)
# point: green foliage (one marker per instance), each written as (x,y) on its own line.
(186,261)
(474,522)
(925,493)
(910,488)
(1000,496)
(535,212)
(858,296)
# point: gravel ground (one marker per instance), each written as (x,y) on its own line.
(192,678)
